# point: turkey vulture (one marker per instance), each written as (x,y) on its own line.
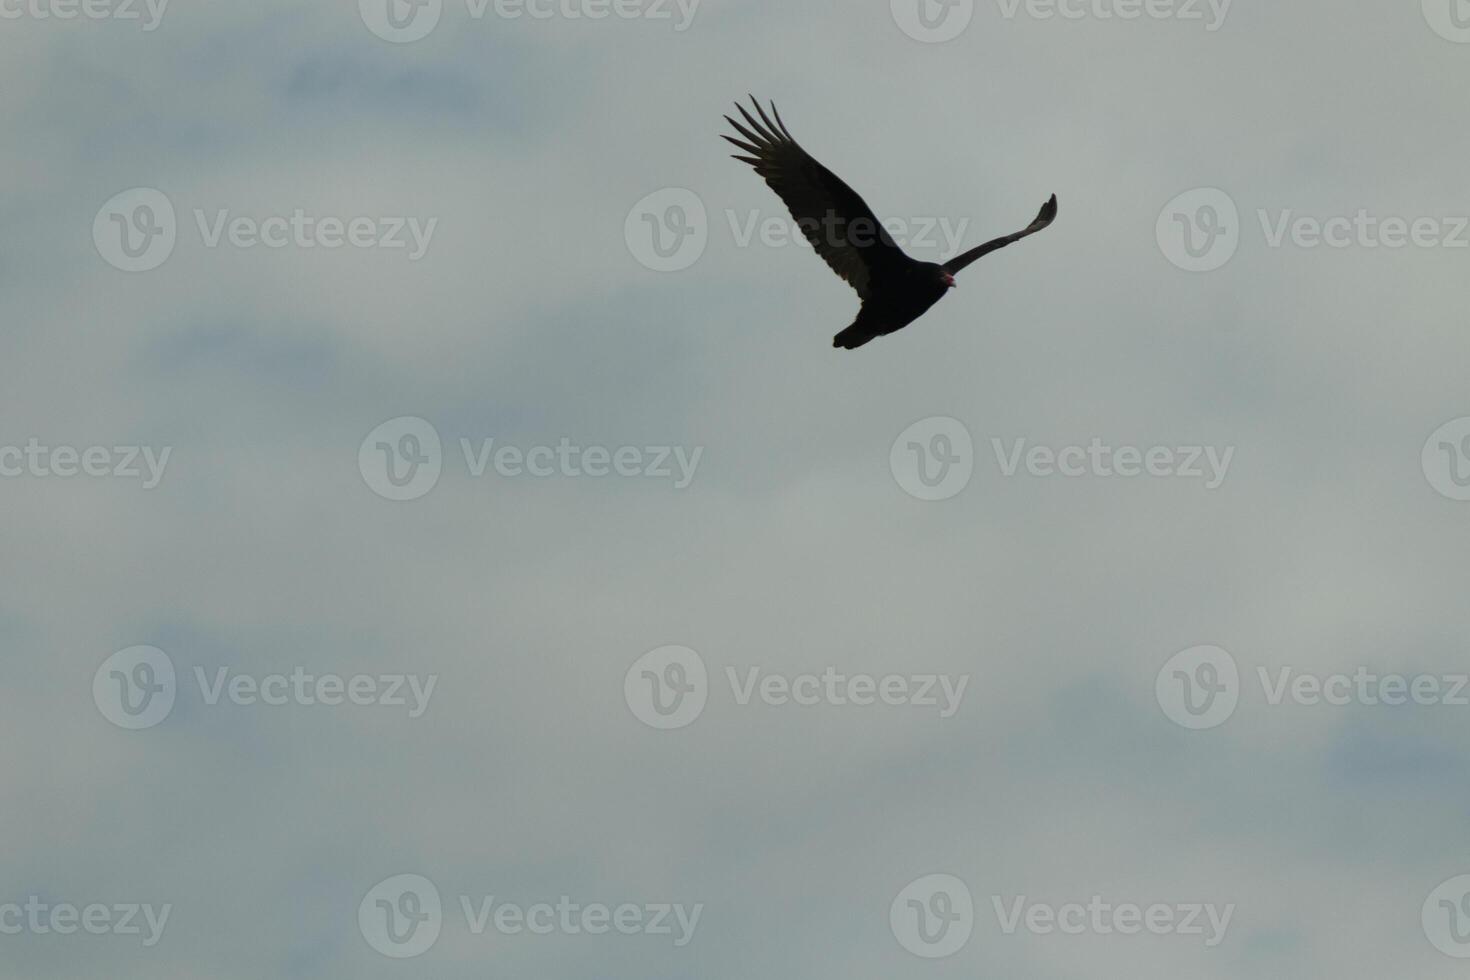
(895,289)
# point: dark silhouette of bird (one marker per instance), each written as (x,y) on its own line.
(895,289)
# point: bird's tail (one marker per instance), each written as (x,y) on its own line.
(863,329)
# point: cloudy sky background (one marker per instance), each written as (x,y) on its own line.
(795,549)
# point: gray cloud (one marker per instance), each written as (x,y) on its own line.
(794,549)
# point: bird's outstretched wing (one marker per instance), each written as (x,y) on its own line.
(834,219)
(1047,216)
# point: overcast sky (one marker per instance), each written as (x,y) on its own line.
(1086,592)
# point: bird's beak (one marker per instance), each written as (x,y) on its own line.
(949,281)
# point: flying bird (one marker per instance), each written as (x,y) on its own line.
(895,290)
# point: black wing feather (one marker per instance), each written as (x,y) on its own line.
(837,223)
(1047,215)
